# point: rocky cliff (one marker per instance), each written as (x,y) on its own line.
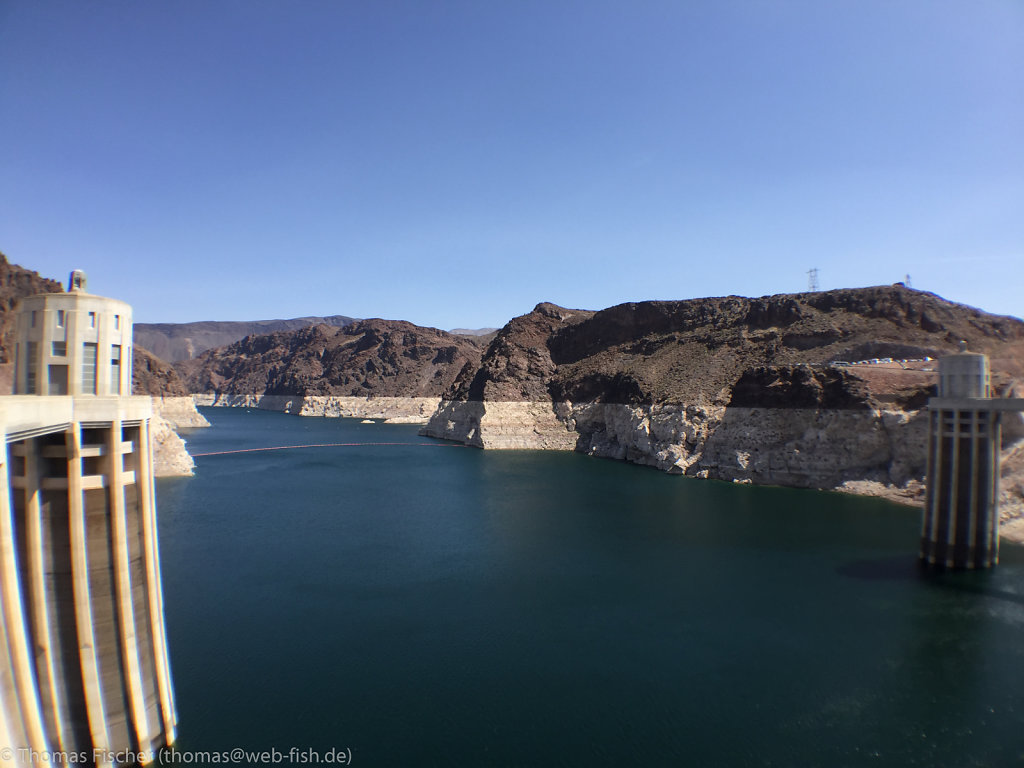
(730,388)
(174,411)
(15,283)
(155,377)
(371,368)
(184,341)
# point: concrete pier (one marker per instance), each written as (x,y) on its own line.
(960,525)
(83,653)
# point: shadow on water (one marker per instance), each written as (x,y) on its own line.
(898,568)
(906,568)
(972,582)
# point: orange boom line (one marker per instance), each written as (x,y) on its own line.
(326,445)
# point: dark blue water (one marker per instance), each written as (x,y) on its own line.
(445,606)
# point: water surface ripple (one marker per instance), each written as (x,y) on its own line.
(472,608)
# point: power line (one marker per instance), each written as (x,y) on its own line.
(812,279)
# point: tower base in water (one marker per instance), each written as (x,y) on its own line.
(960,526)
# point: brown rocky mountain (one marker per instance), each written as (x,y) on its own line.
(15,283)
(369,358)
(712,350)
(184,341)
(153,376)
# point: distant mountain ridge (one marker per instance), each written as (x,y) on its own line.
(175,342)
(368,358)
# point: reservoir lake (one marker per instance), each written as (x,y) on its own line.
(420,603)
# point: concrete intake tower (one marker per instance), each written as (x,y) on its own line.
(83,652)
(960,527)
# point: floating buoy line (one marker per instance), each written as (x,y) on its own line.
(327,445)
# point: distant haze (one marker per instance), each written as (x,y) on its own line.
(473,331)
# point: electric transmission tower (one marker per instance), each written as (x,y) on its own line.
(812,280)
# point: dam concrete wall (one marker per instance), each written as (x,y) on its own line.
(83,653)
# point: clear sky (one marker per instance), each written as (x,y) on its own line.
(454,163)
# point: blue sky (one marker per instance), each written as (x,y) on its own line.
(454,163)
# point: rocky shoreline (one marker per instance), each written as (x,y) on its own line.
(172,415)
(395,410)
(868,452)
(804,448)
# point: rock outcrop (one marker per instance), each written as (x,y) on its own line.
(731,388)
(180,412)
(371,369)
(171,399)
(170,456)
(174,410)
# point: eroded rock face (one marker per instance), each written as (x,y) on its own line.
(818,448)
(170,457)
(1011,487)
(799,447)
(153,376)
(371,358)
(670,437)
(505,424)
(396,410)
(174,411)
(518,364)
(180,412)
